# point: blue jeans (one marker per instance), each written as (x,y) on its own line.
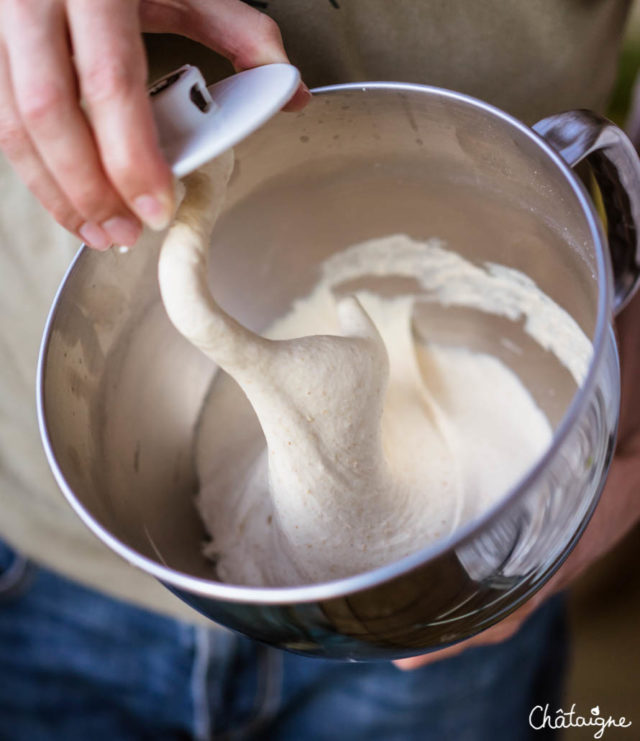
(77,665)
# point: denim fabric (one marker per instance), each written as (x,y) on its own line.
(77,665)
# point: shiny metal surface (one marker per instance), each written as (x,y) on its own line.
(580,135)
(120,391)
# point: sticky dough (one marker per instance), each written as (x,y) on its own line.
(375,446)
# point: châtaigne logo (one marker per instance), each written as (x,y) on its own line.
(541,717)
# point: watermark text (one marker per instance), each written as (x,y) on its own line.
(541,717)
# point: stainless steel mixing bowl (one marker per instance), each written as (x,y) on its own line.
(120,391)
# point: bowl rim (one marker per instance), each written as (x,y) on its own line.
(328,590)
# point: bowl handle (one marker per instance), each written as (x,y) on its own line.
(578,135)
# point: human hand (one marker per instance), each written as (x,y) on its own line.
(96,165)
(616,514)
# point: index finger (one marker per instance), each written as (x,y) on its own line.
(111,68)
(245,36)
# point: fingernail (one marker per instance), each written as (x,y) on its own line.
(305,94)
(153,211)
(300,98)
(122,230)
(94,235)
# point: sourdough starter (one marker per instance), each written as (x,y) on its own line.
(337,442)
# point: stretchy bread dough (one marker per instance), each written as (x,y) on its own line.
(376,445)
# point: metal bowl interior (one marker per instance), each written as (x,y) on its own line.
(120,391)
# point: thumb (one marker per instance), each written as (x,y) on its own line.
(242,34)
